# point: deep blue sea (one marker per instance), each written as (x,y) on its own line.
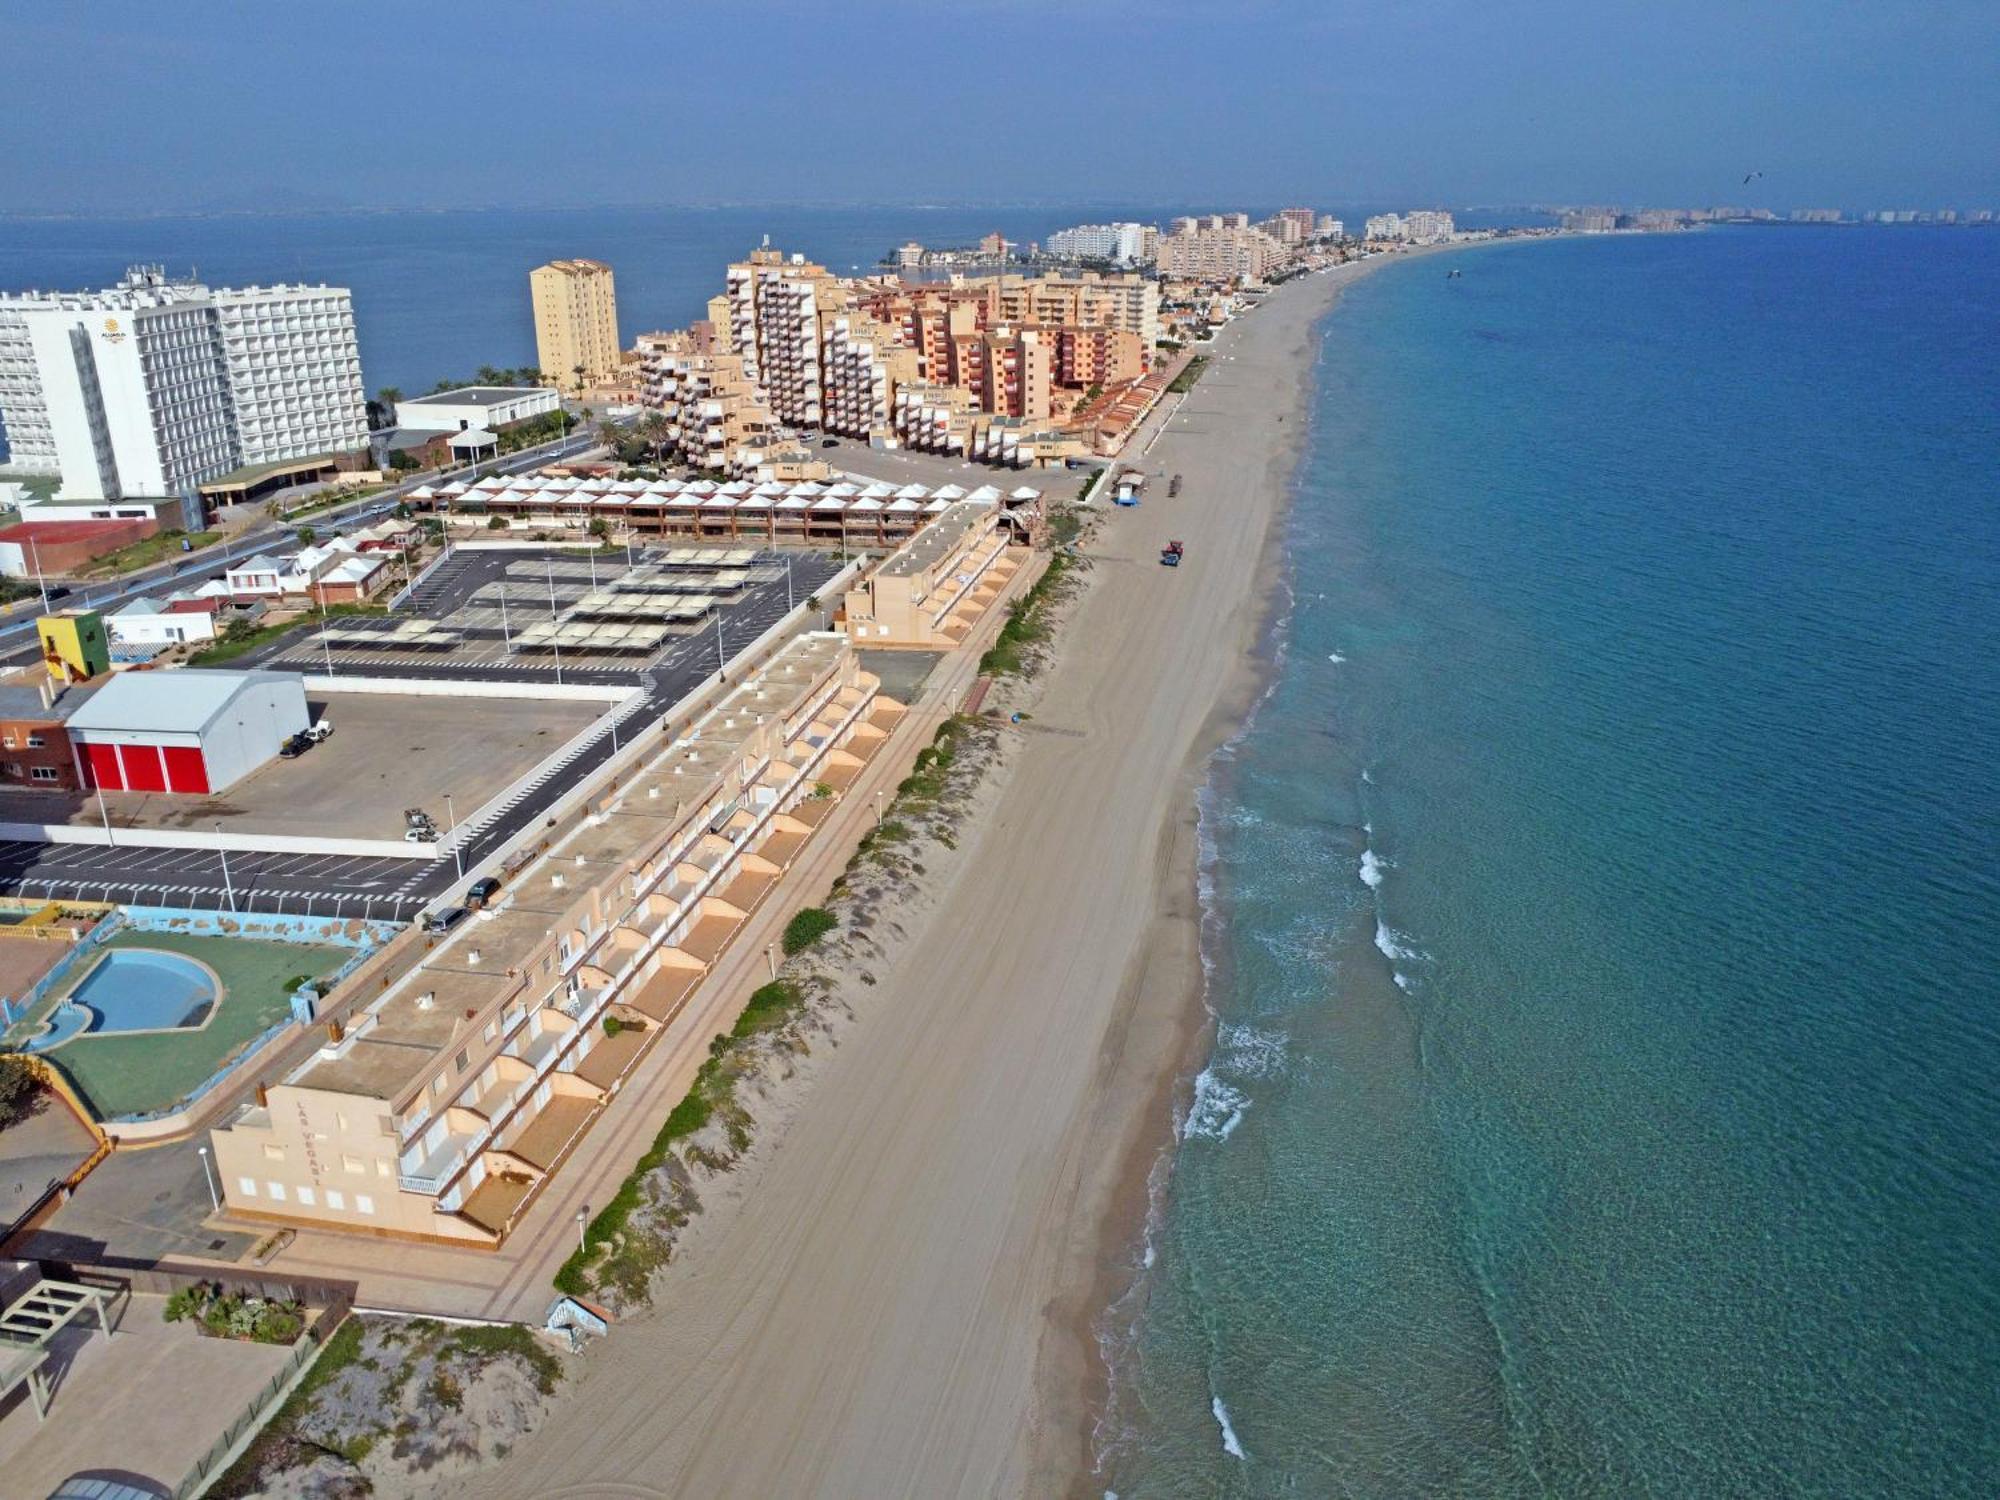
(1605,903)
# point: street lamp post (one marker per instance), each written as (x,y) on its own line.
(582,1223)
(223,854)
(208,1176)
(771,958)
(35,547)
(457,850)
(720,660)
(878,809)
(110,839)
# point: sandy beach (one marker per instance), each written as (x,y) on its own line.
(903,1301)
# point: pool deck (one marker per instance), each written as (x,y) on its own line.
(138,1072)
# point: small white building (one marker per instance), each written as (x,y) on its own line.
(490,407)
(189,731)
(168,621)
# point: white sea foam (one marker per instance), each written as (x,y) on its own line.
(1335,657)
(1250,1052)
(1367,777)
(1229,1443)
(1217,1109)
(1372,866)
(1404,983)
(1392,943)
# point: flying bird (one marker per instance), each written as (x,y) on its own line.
(1747,178)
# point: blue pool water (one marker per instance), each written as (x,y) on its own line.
(144,989)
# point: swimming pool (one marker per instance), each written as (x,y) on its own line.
(144,989)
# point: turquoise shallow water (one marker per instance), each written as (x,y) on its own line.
(1605,903)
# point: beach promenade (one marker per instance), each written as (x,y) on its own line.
(901,1301)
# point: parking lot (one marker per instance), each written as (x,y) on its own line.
(398,889)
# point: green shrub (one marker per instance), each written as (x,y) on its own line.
(808,925)
(612,1026)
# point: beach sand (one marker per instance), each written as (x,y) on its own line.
(902,1299)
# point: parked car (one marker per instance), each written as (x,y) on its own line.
(830,443)
(444,919)
(318,730)
(481,892)
(297,745)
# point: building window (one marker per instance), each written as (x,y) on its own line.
(274,1153)
(352,1164)
(363,1204)
(381,1167)
(45,773)
(335,1200)
(306,1197)
(37,742)
(247,1186)
(276,1190)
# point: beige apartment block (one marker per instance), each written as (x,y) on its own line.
(932,591)
(1218,249)
(863,363)
(576,323)
(1089,300)
(774,302)
(439,1110)
(712,406)
(936,418)
(1018,373)
(1098,356)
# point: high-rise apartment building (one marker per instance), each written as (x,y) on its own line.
(576,322)
(154,387)
(1216,248)
(1130,303)
(1124,244)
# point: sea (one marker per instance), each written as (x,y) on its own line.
(1603,905)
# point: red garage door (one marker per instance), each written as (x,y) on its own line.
(143,772)
(186,770)
(103,763)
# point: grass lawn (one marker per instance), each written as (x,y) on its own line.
(122,1075)
(143,554)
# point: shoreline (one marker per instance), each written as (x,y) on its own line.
(1140,1158)
(893,1298)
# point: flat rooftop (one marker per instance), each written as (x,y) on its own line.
(395,1041)
(477,395)
(936,541)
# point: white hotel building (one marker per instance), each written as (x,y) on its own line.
(1123,243)
(153,387)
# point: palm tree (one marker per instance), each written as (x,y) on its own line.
(489,375)
(579,372)
(609,435)
(653,428)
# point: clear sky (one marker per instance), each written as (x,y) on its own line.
(112,106)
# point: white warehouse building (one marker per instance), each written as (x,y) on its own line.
(189,731)
(154,386)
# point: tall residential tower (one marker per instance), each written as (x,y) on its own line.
(576,322)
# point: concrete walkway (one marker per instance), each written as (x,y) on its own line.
(148,1402)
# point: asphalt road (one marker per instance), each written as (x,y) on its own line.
(195,566)
(392,889)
